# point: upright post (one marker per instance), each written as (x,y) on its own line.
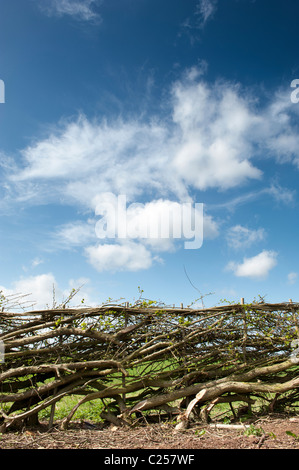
(295,319)
(244,330)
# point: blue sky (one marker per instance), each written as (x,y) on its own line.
(166,102)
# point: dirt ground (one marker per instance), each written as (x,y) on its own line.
(271,432)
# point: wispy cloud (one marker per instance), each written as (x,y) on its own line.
(193,25)
(205,10)
(73,234)
(292,277)
(280,194)
(80,9)
(239,237)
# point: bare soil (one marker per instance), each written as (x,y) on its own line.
(270,432)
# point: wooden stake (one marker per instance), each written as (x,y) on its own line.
(245,332)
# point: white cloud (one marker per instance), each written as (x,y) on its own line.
(94,157)
(141,230)
(128,256)
(73,234)
(37,289)
(214,149)
(276,129)
(157,219)
(280,194)
(292,277)
(208,140)
(154,227)
(40,292)
(210,227)
(36,262)
(257,267)
(205,10)
(242,237)
(204,145)
(80,9)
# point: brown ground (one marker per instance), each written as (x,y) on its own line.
(271,432)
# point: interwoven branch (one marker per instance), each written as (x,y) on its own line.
(144,358)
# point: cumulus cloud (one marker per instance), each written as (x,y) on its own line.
(214,123)
(257,267)
(37,289)
(158,219)
(277,131)
(129,256)
(41,291)
(137,231)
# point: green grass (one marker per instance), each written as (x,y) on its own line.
(90,411)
